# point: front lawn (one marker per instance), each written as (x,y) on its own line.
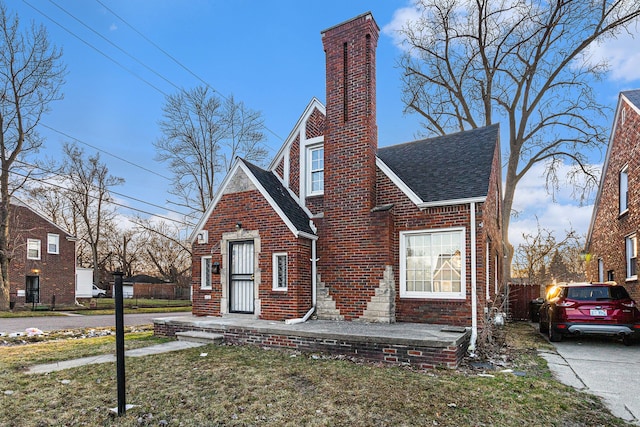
(231,385)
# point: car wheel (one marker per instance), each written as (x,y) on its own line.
(544,327)
(554,336)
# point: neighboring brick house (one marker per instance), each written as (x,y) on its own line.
(612,241)
(43,264)
(336,226)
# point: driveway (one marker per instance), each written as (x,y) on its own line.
(603,367)
(52,323)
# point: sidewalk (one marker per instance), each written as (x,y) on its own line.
(106,358)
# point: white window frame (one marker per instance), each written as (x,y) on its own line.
(206,273)
(624,189)
(600,270)
(310,171)
(404,293)
(34,245)
(53,240)
(276,282)
(631,256)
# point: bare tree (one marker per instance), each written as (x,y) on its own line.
(522,62)
(31,76)
(88,187)
(201,137)
(542,258)
(167,250)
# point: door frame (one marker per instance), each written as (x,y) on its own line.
(227,238)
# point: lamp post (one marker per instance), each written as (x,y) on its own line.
(122,406)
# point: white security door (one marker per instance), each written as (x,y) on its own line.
(241,278)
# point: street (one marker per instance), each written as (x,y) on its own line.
(603,367)
(52,323)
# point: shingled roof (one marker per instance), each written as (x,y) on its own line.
(450,167)
(282,198)
(633,96)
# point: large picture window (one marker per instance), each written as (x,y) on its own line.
(631,250)
(432,264)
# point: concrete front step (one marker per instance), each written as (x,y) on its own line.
(199,336)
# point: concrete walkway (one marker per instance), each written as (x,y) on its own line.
(106,358)
(601,367)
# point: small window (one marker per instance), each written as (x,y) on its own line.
(600,270)
(315,166)
(33,248)
(631,251)
(280,271)
(53,243)
(205,273)
(624,190)
(610,276)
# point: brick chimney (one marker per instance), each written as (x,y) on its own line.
(351,263)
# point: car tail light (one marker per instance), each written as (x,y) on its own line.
(636,326)
(565,303)
(629,304)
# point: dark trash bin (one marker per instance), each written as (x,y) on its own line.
(534,309)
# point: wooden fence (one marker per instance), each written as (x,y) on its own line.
(520,297)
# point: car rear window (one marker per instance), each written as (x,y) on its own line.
(595,293)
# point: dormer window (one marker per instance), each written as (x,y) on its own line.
(315,170)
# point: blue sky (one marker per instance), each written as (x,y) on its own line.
(267,54)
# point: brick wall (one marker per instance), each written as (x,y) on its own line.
(609,227)
(254,213)
(423,357)
(56,272)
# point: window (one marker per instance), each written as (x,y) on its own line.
(315,167)
(205,272)
(33,248)
(600,270)
(631,251)
(53,243)
(432,264)
(624,190)
(279,271)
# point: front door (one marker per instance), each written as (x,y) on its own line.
(32,293)
(241,277)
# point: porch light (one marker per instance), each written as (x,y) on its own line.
(216,268)
(238,226)
(35,271)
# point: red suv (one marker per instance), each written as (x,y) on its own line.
(590,308)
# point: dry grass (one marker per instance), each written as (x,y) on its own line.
(243,386)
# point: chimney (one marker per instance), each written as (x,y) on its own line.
(351,133)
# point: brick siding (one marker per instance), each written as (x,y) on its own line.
(609,227)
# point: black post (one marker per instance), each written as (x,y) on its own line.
(122,406)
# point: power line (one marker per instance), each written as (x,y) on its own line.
(45,182)
(95,48)
(106,152)
(180,64)
(135,199)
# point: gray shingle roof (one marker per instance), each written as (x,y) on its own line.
(449,167)
(282,198)
(633,96)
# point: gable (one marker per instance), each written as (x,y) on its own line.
(245,176)
(448,168)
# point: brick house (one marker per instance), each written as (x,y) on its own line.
(43,264)
(337,227)
(615,223)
